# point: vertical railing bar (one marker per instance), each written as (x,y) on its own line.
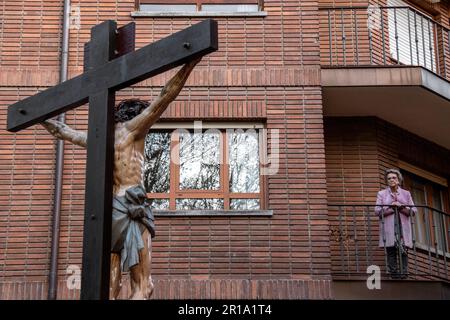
(397,50)
(448,234)
(448,41)
(413,237)
(341,237)
(330,37)
(356,240)
(383,233)
(335,39)
(409,38)
(382,37)
(435,243)
(438,53)
(347,240)
(416,39)
(430,46)
(356,36)
(370,46)
(343,37)
(397,237)
(367,236)
(444,55)
(423,43)
(444,243)
(447,239)
(428,238)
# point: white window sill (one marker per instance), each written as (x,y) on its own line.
(138,14)
(212,213)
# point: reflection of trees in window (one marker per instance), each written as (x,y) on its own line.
(244,204)
(200,180)
(243,161)
(159,204)
(157,162)
(200,161)
(199,204)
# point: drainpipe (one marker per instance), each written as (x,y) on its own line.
(53,275)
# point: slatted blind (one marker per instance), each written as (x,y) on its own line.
(414,44)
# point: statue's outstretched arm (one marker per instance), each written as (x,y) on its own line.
(62,131)
(142,123)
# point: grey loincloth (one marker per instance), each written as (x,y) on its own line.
(131,214)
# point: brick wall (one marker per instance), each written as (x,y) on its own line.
(166,289)
(352,163)
(267,69)
(351,160)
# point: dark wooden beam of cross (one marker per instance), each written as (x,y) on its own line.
(107,70)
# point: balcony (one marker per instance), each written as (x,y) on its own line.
(355,247)
(388,62)
(383,36)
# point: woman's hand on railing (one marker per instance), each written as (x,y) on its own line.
(407,211)
(384,211)
(403,208)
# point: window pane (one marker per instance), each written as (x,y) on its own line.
(439,233)
(418,195)
(243,160)
(428,224)
(244,204)
(199,204)
(159,204)
(230,7)
(157,162)
(168,7)
(415,36)
(200,161)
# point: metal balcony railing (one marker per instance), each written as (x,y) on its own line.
(387,36)
(355,232)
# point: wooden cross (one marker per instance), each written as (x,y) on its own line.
(106,73)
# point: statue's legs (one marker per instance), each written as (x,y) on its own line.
(115,277)
(140,278)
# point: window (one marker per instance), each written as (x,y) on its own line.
(152,7)
(411,36)
(208,169)
(431,226)
(199,6)
(229,8)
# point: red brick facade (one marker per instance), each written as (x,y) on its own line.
(267,70)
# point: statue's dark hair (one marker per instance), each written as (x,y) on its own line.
(128,109)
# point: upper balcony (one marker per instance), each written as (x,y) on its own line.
(389,62)
(383,36)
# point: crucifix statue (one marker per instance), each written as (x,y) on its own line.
(118,224)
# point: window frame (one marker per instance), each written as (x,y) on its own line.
(138,13)
(224,191)
(198,3)
(431,183)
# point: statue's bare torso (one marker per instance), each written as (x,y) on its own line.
(128,160)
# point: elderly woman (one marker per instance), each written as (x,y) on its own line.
(395,203)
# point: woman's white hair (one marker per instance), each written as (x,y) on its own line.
(395,171)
